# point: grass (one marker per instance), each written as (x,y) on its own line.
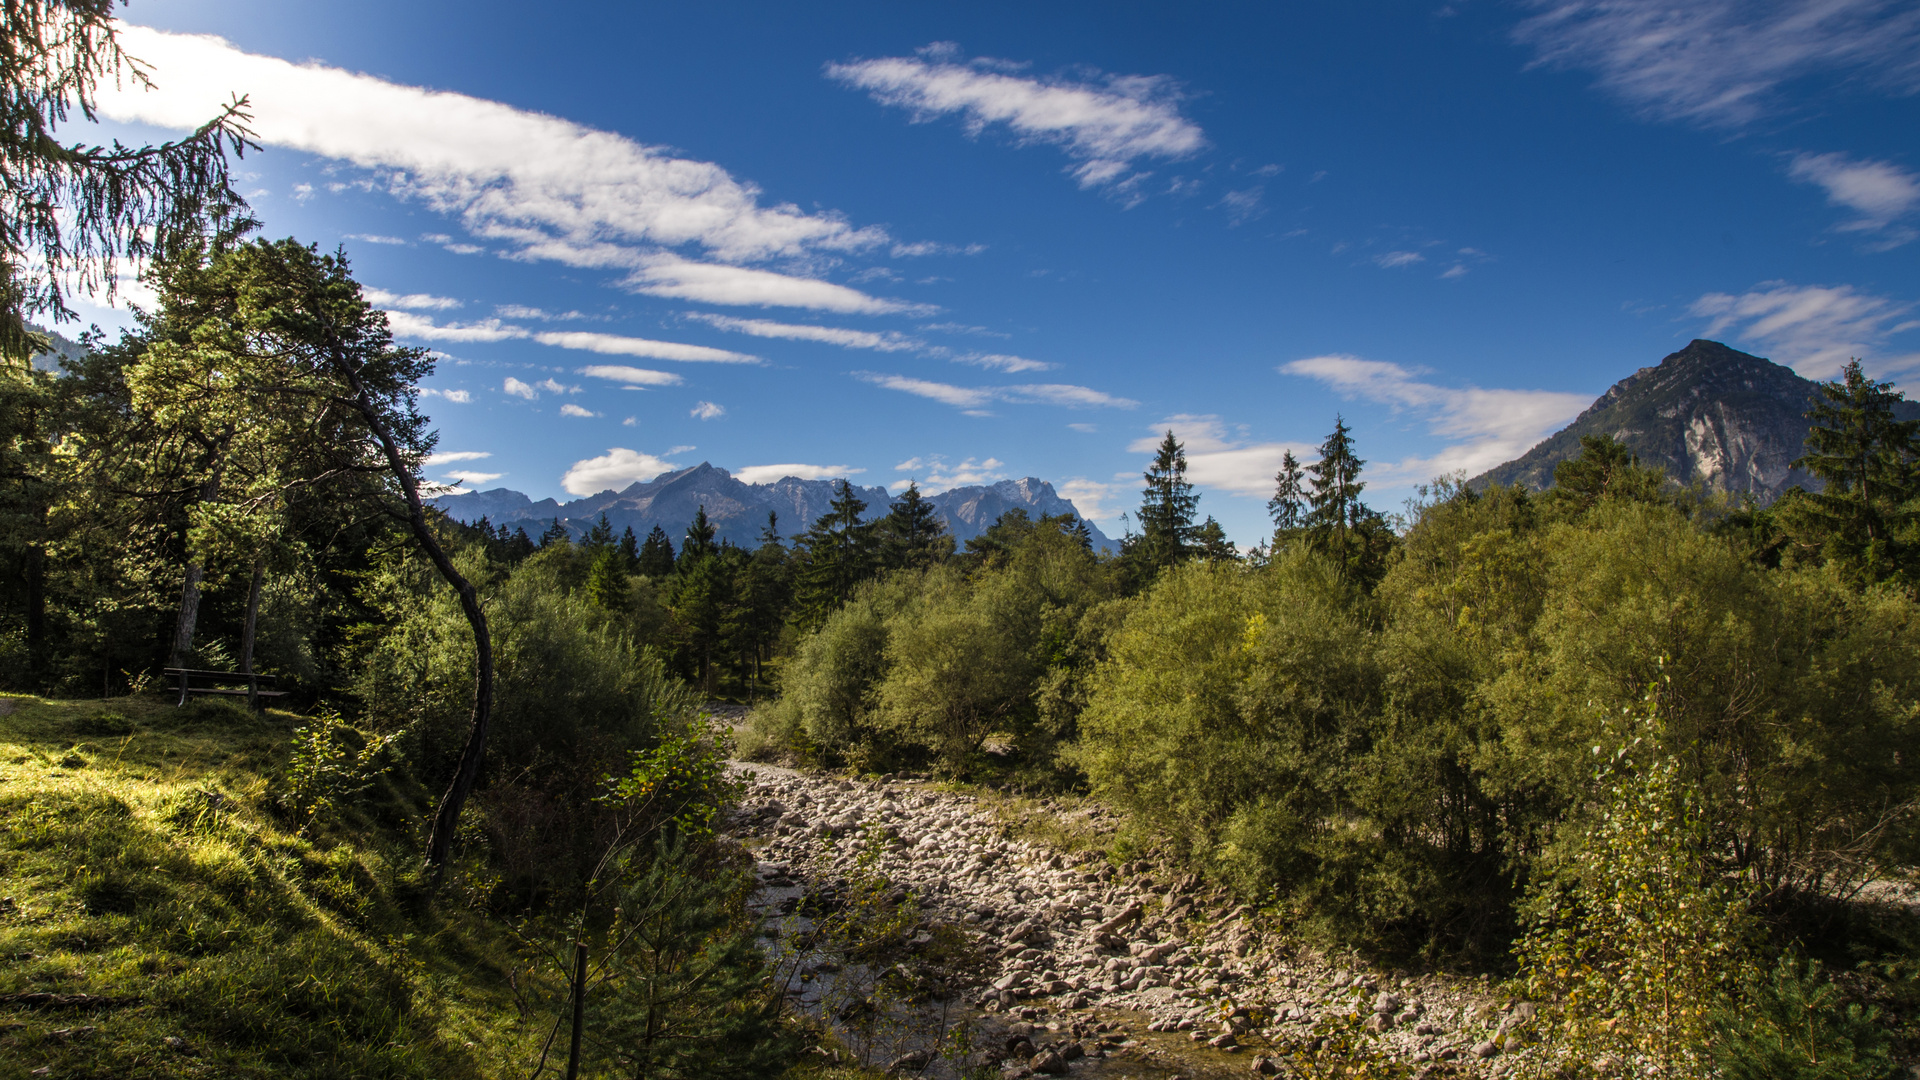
(188,926)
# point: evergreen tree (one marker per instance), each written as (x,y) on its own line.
(1863,517)
(630,550)
(656,555)
(1605,469)
(764,592)
(607,578)
(1167,507)
(838,555)
(770,536)
(601,535)
(912,534)
(518,546)
(1334,491)
(1211,543)
(1083,533)
(1288,504)
(698,543)
(555,533)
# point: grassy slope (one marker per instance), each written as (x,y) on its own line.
(145,862)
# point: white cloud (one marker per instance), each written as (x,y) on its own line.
(936,474)
(1486,427)
(767,474)
(921,248)
(571,409)
(742,286)
(1218,457)
(1106,122)
(1084,429)
(473,478)
(381,298)
(554,386)
(616,470)
(449,457)
(1880,191)
(1394,259)
(521,311)
(1722,62)
(631,421)
(632,376)
(1090,497)
(545,187)
(458,397)
(1004,362)
(374,238)
(884,341)
(616,345)
(976,398)
(1813,329)
(519,389)
(1243,206)
(706,410)
(408,325)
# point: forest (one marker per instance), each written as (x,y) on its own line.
(1617,742)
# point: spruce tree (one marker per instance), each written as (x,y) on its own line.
(601,535)
(1211,543)
(1334,492)
(1167,507)
(630,550)
(656,555)
(912,533)
(555,533)
(838,555)
(1867,457)
(1288,504)
(698,543)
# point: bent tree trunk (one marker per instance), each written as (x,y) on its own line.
(447,818)
(184,627)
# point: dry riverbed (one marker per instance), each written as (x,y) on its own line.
(1022,956)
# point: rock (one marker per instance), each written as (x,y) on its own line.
(1128,914)
(1223,1040)
(1379,1022)
(1264,1066)
(913,1061)
(1046,1061)
(1071,1051)
(1485,1050)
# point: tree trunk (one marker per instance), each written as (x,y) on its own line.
(36,573)
(183,629)
(447,818)
(247,635)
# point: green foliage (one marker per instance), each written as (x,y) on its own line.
(1793,1024)
(1166,509)
(323,771)
(1863,520)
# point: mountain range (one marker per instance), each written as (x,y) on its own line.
(738,510)
(1731,421)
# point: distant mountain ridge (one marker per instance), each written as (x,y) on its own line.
(738,510)
(1733,421)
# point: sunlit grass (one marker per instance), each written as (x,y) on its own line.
(145,864)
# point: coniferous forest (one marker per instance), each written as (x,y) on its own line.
(1642,757)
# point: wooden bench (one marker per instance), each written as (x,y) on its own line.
(193,681)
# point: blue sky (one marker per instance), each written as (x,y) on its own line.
(961,242)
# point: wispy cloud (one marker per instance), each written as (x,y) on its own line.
(922,248)
(449,457)
(767,474)
(458,397)
(1486,427)
(935,473)
(540,186)
(381,298)
(1723,62)
(883,341)
(1395,259)
(1091,497)
(631,376)
(1106,123)
(522,311)
(706,410)
(575,410)
(1813,329)
(616,470)
(617,345)
(519,389)
(408,325)
(975,399)
(1879,191)
(375,238)
(1003,362)
(1244,205)
(474,479)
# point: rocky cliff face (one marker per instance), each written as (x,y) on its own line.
(1708,413)
(739,510)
